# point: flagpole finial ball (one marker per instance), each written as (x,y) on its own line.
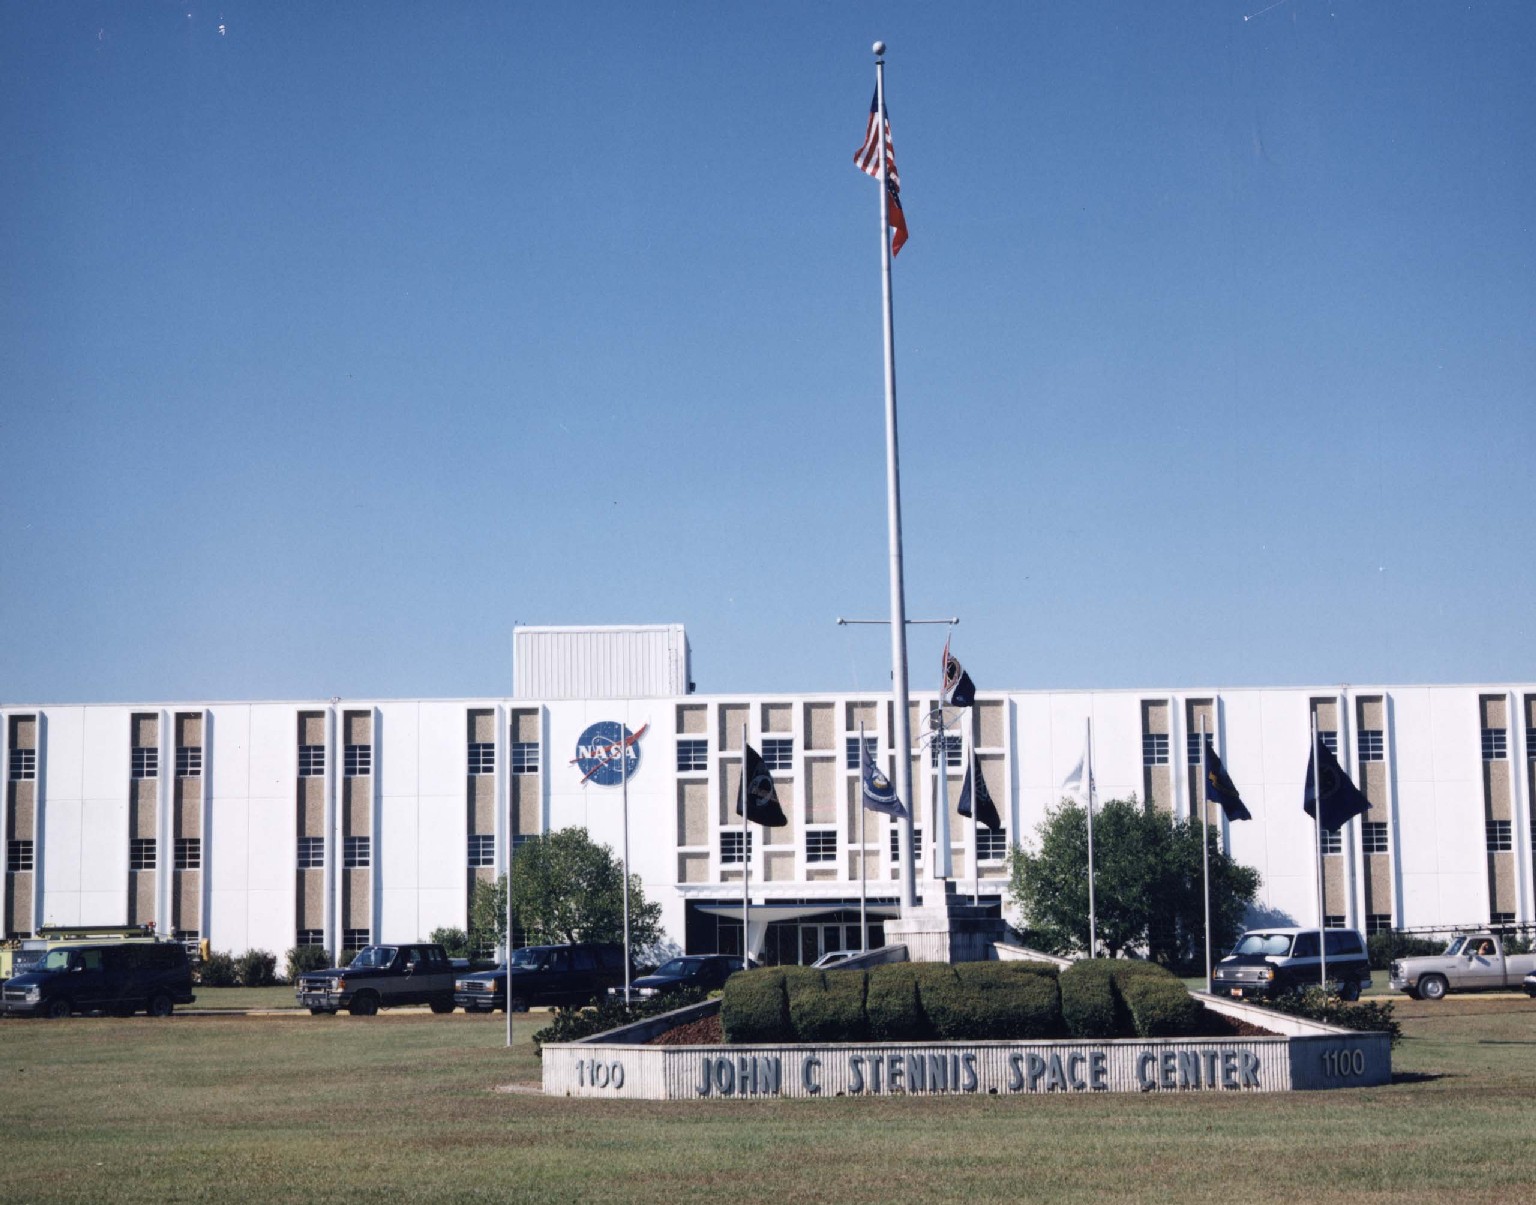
(879,47)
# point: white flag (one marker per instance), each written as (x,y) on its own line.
(1079,783)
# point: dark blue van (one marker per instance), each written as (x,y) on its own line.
(120,978)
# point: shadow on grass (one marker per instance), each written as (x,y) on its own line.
(1415,1077)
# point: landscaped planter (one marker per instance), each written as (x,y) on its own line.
(1303,1055)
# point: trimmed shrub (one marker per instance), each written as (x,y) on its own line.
(1384,947)
(257,968)
(218,970)
(573,1024)
(1159,1004)
(941,1000)
(1009,1001)
(890,1004)
(826,1007)
(1090,1007)
(1373,1016)
(306,958)
(755,1007)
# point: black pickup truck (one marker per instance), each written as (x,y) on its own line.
(381,977)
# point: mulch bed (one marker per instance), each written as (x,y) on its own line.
(706,1031)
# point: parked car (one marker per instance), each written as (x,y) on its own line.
(704,971)
(834,958)
(573,974)
(113,977)
(381,977)
(1472,962)
(1529,983)
(1270,962)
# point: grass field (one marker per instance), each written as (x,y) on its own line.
(409,1106)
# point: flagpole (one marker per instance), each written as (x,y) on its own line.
(746,857)
(863,851)
(1205,856)
(902,733)
(943,857)
(1093,939)
(1317,830)
(624,793)
(970,767)
(512,847)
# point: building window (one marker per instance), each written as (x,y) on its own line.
(359,761)
(851,758)
(1378,922)
(189,761)
(311,761)
(1495,744)
(482,849)
(917,844)
(991,845)
(309,937)
(141,853)
(356,939)
(1369,745)
(23,764)
(779,752)
(1530,744)
(521,839)
(18,856)
(1330,741)
(482,758)
(1154,749)
(954,749)
(1333,843)
(821,845)
(146,763)
(1500,838)
(1501,920)
(525,757)
(189,853)
(692,755)
(311,853)
(730,847)
(356,852)
(1332,922)
(1373,837)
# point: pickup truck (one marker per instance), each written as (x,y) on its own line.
(1473,962)
(381,977)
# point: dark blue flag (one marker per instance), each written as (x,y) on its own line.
(986,810)
(1340,798)
(1219,788)
(879,792)
(758,790)
(958,689)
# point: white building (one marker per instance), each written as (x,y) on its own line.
(265,825)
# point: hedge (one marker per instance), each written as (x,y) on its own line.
(754,1007)
(1011,1000)
(826,1007)
(1159,1005)
(890,1003)
(1090,1007)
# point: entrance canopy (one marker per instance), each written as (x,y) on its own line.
(764,915)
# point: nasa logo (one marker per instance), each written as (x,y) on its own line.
(607,753)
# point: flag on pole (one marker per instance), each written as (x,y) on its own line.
(1219,788)
(879,793)
(958,690)
(867,160)
(986,810)
(1079,783)
(1340,798)
(762,800)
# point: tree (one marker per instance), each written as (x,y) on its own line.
(565,888)
(1147,883)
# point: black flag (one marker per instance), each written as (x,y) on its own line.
(958,689)
(1341,799)
(986,810)
(762,800)
(1219,788)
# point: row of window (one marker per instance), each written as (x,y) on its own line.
(779,752)
(145,763)
(351,939)
(821,845)
(1373,838)
(143,853)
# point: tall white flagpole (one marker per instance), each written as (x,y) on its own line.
(1317,860)
(972,769)
(1205,856)
(511,848)
(943,858)
(624,790)
(901,736)
(1093,936)
(746,858)
(863,851)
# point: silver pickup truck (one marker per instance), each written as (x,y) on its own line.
(1473,962)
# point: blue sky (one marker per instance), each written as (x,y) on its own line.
(337,338)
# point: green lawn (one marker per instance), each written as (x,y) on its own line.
(414,1106)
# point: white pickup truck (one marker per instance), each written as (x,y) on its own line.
(1473,962)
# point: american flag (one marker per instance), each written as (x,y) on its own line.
(867,160)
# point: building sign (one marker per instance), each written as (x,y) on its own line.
(607,753)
